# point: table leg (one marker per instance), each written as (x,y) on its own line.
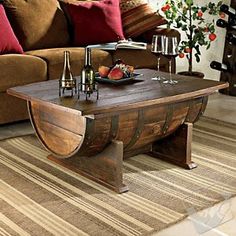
(104,168)
(176,148)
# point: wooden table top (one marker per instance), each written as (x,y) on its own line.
(143,92)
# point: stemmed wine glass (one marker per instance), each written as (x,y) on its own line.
(156,49)
(170,51)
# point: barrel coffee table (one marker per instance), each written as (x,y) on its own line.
(92,137)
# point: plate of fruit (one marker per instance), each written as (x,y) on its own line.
(119,73)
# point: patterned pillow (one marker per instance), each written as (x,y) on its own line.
(138,17)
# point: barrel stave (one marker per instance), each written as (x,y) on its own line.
(127,126)
(97,136)
(65,133)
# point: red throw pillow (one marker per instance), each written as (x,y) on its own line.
(8,41)
(95,22)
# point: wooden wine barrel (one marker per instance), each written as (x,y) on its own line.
(65,133)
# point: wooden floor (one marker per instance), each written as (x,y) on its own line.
(221,107)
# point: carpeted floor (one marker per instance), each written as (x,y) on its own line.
(37,197)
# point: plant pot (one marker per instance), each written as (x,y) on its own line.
(193,74)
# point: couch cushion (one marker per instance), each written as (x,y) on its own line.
(140,58)
(8,41)
(12,109)
(38,23)
(54,58)
(95,22)
(19,69)
(138,17)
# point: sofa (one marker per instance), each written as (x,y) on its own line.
(42,29)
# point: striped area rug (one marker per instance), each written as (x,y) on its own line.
(38,197)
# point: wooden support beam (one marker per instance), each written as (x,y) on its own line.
(104,168)
(176,148)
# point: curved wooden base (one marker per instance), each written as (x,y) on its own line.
(104,168)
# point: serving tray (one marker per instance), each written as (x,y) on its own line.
(120,81)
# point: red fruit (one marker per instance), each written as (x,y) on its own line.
(200,14)
(164,9)
(212,36)
(103,71)
(187,50)
(206,29)
(116,74)
(181,55)
(130,69)
(167,7)
(222,15)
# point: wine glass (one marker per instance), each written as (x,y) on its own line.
(156,49)
(170,51)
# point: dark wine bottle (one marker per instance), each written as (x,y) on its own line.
(219,66)
(67,81)
(228,10)
(231,24)
(231,38)
(87,74)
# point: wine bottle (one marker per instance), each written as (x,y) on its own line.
(231,24)
(231,38)
(219,66)
(228,10)
(67,81)
(87,74)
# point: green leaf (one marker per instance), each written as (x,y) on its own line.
(219,3)
(189,2)
(184,27)
(197,49)
(179,25)
(208,46)
(197,58)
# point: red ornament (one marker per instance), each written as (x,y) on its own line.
(212,36)
(181,55)
(187,50)
(165,8)
(200,14)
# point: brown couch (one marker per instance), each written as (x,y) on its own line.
(43,33)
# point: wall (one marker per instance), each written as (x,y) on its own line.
(214,53)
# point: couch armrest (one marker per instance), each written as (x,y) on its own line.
(147,36)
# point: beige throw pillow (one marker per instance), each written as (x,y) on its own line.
(38,23)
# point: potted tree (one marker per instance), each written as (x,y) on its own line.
(199,31)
